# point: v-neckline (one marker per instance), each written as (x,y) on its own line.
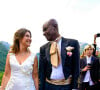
(24,60)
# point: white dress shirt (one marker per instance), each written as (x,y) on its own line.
(87,76)
(57,73)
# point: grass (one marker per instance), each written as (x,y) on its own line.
(1,75)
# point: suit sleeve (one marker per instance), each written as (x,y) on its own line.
(81,66)
(98,34)
(76,65)
(94,51)
(96,69)
(42,67)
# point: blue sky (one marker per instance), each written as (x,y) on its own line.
(78,19)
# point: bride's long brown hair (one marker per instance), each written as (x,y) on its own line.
(19,34)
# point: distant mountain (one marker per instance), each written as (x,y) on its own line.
(4,47)
(6,44)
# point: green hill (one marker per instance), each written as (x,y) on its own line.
(4,47)
(1,75)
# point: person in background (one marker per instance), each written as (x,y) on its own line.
(59,60)
(96,53)
(83,54)
(89,66)
(95,44)
(21,70)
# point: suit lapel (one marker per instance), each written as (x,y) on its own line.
(63,53)
(48,51)
(85,61)
(92,59)
(64,44)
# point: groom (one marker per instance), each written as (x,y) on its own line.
(59,60)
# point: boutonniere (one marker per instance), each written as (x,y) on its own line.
(69,50)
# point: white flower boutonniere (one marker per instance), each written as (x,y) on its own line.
(69,50)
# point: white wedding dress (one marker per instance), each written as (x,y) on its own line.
(21,75)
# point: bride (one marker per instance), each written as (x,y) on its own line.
(21,70)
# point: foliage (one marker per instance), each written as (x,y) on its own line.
(1,75)
(4,47)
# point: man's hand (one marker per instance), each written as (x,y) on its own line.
(86,68)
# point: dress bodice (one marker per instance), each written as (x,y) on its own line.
(21,74)
(23,69)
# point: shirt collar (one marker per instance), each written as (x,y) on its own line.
(58,39)
(88,59)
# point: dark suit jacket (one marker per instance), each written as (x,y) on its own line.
(70,64)
(94,51)
(94,71)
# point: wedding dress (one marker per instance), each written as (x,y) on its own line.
(21,74)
